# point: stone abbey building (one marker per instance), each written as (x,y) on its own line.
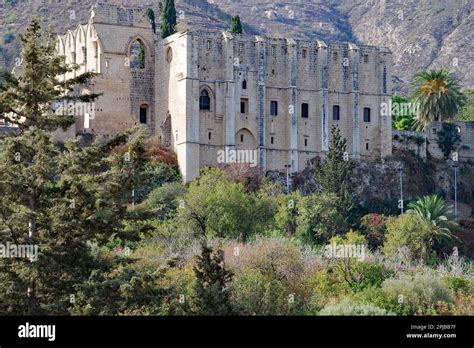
(200,92)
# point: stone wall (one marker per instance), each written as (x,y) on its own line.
(466,146)
(411,141)
(426,143)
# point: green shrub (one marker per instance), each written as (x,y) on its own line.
(154,175)
(320,218)
(458,284)
(163,201)
(276,257)
(419,293)
(346,307)
(409,231)
(254,293)
(376,296)
(326,285)
(359,275)
(351,237)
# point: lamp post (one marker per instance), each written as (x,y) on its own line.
(455,166)
(400,172)
(288,166)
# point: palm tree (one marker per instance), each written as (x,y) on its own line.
(437,94)
(432,211)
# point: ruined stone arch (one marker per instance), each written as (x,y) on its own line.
(70,41)
(245,140)
(206,98)
(81,47)
(80,35)
(91,32)
(60,49)
(92,50)
(70,50)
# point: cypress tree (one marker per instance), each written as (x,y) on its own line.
(141,57)
(236,25)
(334,173)
(168,19)
(151,17)
(211,294)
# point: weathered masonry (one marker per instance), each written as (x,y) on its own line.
(200,92)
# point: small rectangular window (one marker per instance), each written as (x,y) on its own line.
(334,56)
(366,114)
(306,142)
(143,115)
(243,106)
(274,108)
(305,110)
(367,146)
(209,135)
(366,58)
(335,113)
(271,140)
(241,138)
(303,53)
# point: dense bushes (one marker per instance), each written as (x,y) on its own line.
(421,293)
(348,308)
(410,232)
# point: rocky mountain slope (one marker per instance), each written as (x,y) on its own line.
(422,34)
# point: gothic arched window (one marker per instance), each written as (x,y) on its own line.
(244,84)
(204,100)
(137,55)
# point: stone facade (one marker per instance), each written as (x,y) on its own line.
(200,92)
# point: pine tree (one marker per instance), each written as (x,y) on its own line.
(236,25)
(211,294)
(168,19)
(27,100)
(62,200)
